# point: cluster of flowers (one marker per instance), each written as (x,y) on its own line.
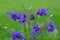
(35,29)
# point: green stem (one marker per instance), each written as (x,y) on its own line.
(29,27)
(36,19)
(41,34)
(24,24)
(25,30)
(40,28)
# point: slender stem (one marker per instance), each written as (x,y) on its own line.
(25,30)
(27,20)
(36,19)
(40,28)
(41,34)
(29,28)
(23,7)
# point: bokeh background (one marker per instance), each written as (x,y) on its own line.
(7,26)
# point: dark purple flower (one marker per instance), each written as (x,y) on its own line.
(50,27)
(17,35)
(42,12)
(13,15)
(35,30)
(32,17)
(22,18)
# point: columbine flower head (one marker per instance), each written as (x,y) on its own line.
(50,27)
(32,17)
(22,18)
(35,30)
(17,35)
(42,12)
(13,15)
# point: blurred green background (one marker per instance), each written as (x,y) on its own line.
(7,26)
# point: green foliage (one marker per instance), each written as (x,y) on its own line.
(16,5)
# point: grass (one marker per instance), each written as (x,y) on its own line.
(53,7)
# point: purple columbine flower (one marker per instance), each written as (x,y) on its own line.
(42,12)
(13,15)
(35,30)
(50,27)
(17,35)
(32,17)
(22,18)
